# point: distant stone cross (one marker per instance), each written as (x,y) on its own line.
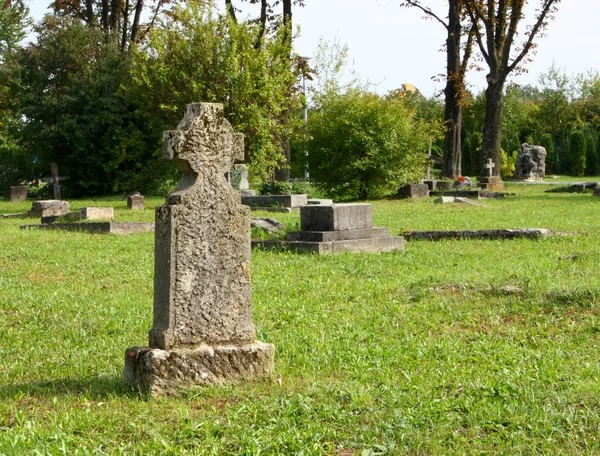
(490,166)
(55,180)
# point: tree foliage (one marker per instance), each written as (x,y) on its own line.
(362,145)
(196,56)
(578,152)
(498,24)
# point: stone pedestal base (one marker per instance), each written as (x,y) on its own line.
(370,245)
(490,183)
(158,372)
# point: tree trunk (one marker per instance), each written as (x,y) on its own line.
(89,12)
(104,15)
(231,10)
(125,25)
(283,173)
(135,27)
(492,126)
(115,11)
(451,165)
(262,24)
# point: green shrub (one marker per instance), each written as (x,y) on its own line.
(362,145)
(546,142)
(591,155)
(281,188)
(476,149)
(507,163)
(577,152)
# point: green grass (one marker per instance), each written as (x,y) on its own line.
(420,352)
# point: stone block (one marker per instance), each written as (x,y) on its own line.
(525,233)
(274,200)
(336,217)
(97,213)
(444,185)
(156,372)
(414,191)
(431,184)
(135,202)
(18,193)
(597,192)
(96,227)
(46,208)
(319,202)
(372,245)
(445,200)
(492,183)
(345,235)
(69,216)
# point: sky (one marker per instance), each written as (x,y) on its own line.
(390,46)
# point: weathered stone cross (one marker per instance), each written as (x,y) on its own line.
(490,166)
(55,179)
(203,331)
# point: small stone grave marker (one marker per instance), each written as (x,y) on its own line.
(96,213)
(18,193)
(203,331)
(135,202)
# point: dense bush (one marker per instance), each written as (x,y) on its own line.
(552,162)
(507,163)
(578,152)
(363,145)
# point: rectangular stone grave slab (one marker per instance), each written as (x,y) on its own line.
(274,201)
(318,201)
(135,202)
(96,227)
(68,217)
(469,202)
(336,217)
(526,233)
(18,193)
(345,235)
(414,191)
(202,329)
(47,208)
(97,213)
(372,245)
(459,193)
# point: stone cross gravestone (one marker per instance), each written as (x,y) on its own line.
(203,331)
(55,179)
(490,166)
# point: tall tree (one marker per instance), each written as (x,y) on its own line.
(269,20)
(120,19)
(456,66)
(497,26)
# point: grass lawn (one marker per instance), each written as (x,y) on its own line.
(453,347)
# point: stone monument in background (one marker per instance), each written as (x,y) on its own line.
(203,331)
(531,163)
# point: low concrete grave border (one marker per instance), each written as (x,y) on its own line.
(96,227)
(524,233)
